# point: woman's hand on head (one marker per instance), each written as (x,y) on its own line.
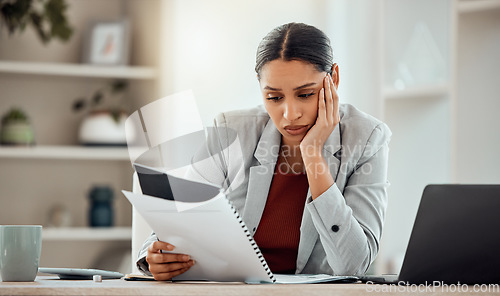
(165,266)
(328,117)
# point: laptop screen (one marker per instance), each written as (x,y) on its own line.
(455,237)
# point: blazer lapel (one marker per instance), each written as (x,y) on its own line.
(260,176)
(308,233)
(259,183)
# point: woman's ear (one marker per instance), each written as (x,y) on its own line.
(335,75)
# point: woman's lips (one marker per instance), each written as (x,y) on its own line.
(296,129)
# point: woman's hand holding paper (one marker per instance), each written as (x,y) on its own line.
(165,266)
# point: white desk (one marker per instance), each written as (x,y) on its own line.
(49,285)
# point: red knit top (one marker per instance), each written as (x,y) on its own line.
(278,233)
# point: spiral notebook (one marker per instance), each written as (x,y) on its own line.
(200,221)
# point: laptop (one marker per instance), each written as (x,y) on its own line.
(455,238)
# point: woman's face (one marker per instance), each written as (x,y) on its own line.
(290,90)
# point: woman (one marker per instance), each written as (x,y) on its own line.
(314,173)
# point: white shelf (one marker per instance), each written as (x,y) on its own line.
(78,70)
(436,90)
(87,233)
(65,152)
(477,5)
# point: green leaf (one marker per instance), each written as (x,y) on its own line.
(37,21)
(54,12)
(97,98)
(15,14)
(118,86)
(49,23)
(79,104)
(15,114)
(115,113)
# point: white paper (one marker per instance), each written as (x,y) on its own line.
(210,233)
(312,278)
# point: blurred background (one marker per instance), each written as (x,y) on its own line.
(428,68)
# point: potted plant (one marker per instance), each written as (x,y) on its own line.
(16,129)
(47,17)
(104,122)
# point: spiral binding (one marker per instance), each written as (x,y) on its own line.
(253,243)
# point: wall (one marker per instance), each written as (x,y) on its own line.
(212,45)
(477,120)
(355,30)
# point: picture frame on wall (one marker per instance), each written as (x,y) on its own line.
(107,43)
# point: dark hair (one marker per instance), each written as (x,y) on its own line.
(296,41)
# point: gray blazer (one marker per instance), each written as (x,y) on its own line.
(340,229)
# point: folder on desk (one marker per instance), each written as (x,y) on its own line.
(200,221)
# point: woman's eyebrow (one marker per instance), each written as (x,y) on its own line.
(297,88)
(305,85)
(272,88)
